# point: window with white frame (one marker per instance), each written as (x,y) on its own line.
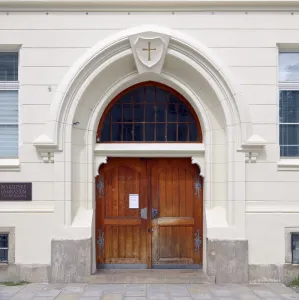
(289,104)
(9,108)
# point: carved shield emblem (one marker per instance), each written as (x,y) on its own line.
(150,50)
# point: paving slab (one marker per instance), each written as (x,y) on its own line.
(73,290)
(23,296)
(93,293)
(68,297)
(112,297)
(134,298)
(48,293)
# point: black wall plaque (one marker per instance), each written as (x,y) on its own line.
(15,191)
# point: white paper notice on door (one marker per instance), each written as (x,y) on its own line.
(133,200)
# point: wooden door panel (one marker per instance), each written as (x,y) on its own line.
(124,231)
(180,212)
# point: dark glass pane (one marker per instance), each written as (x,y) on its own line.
(126,98)
(128,112)
(193,133)
(138,112)
(127,132)
(116,132)
(116,112)
(3,255)
(8,66)
(289,106)
(191,119)
(161,95)
(288,134)
(290,151)
(160,113)
(183,132)
(3,240)
(295,248)
(160,132)
(149,93)
(182,113)
(172,112)
(149,113)
(172,99)
(138,132)
(171,132)
(105,134)
(138,95)
(149,132)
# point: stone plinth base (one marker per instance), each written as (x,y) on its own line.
(227,260)
(70,260)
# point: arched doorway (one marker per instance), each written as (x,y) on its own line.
(149,210)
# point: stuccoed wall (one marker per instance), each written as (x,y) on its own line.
(51,43)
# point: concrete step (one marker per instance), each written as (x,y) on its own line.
(150,276)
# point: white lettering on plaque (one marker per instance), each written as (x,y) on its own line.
(133,200)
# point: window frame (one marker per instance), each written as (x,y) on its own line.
(164,87)
(10,231)
(5,248)
(12,163)
(285,86)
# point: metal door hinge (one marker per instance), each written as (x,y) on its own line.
(143,213)
(101,241)
(197,241)
(197,187)
(100,186)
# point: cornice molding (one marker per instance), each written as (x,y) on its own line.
(148,5)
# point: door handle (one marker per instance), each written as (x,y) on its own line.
(155,213)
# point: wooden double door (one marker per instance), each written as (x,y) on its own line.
(149,213)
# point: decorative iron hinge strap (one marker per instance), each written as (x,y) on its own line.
(100,186)
(197,241)
(197,187)
(101,241)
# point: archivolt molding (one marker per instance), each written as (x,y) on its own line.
(95,60)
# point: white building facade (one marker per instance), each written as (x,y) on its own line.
(63,63)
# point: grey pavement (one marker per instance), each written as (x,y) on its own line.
(90,291)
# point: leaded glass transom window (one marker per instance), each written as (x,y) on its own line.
(149,113)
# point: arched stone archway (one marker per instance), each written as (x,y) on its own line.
(194,71)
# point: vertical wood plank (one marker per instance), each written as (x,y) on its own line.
(108,243)
(175,192)
(182,192)
(162,194)
(121,242)
(129,241)
(115,242)
(114,191)
(136,242)
(169,193)
(189,193)
(121,192)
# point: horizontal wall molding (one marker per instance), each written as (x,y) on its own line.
(263,208)
(148,5)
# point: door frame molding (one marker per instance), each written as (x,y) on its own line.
(195,151)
